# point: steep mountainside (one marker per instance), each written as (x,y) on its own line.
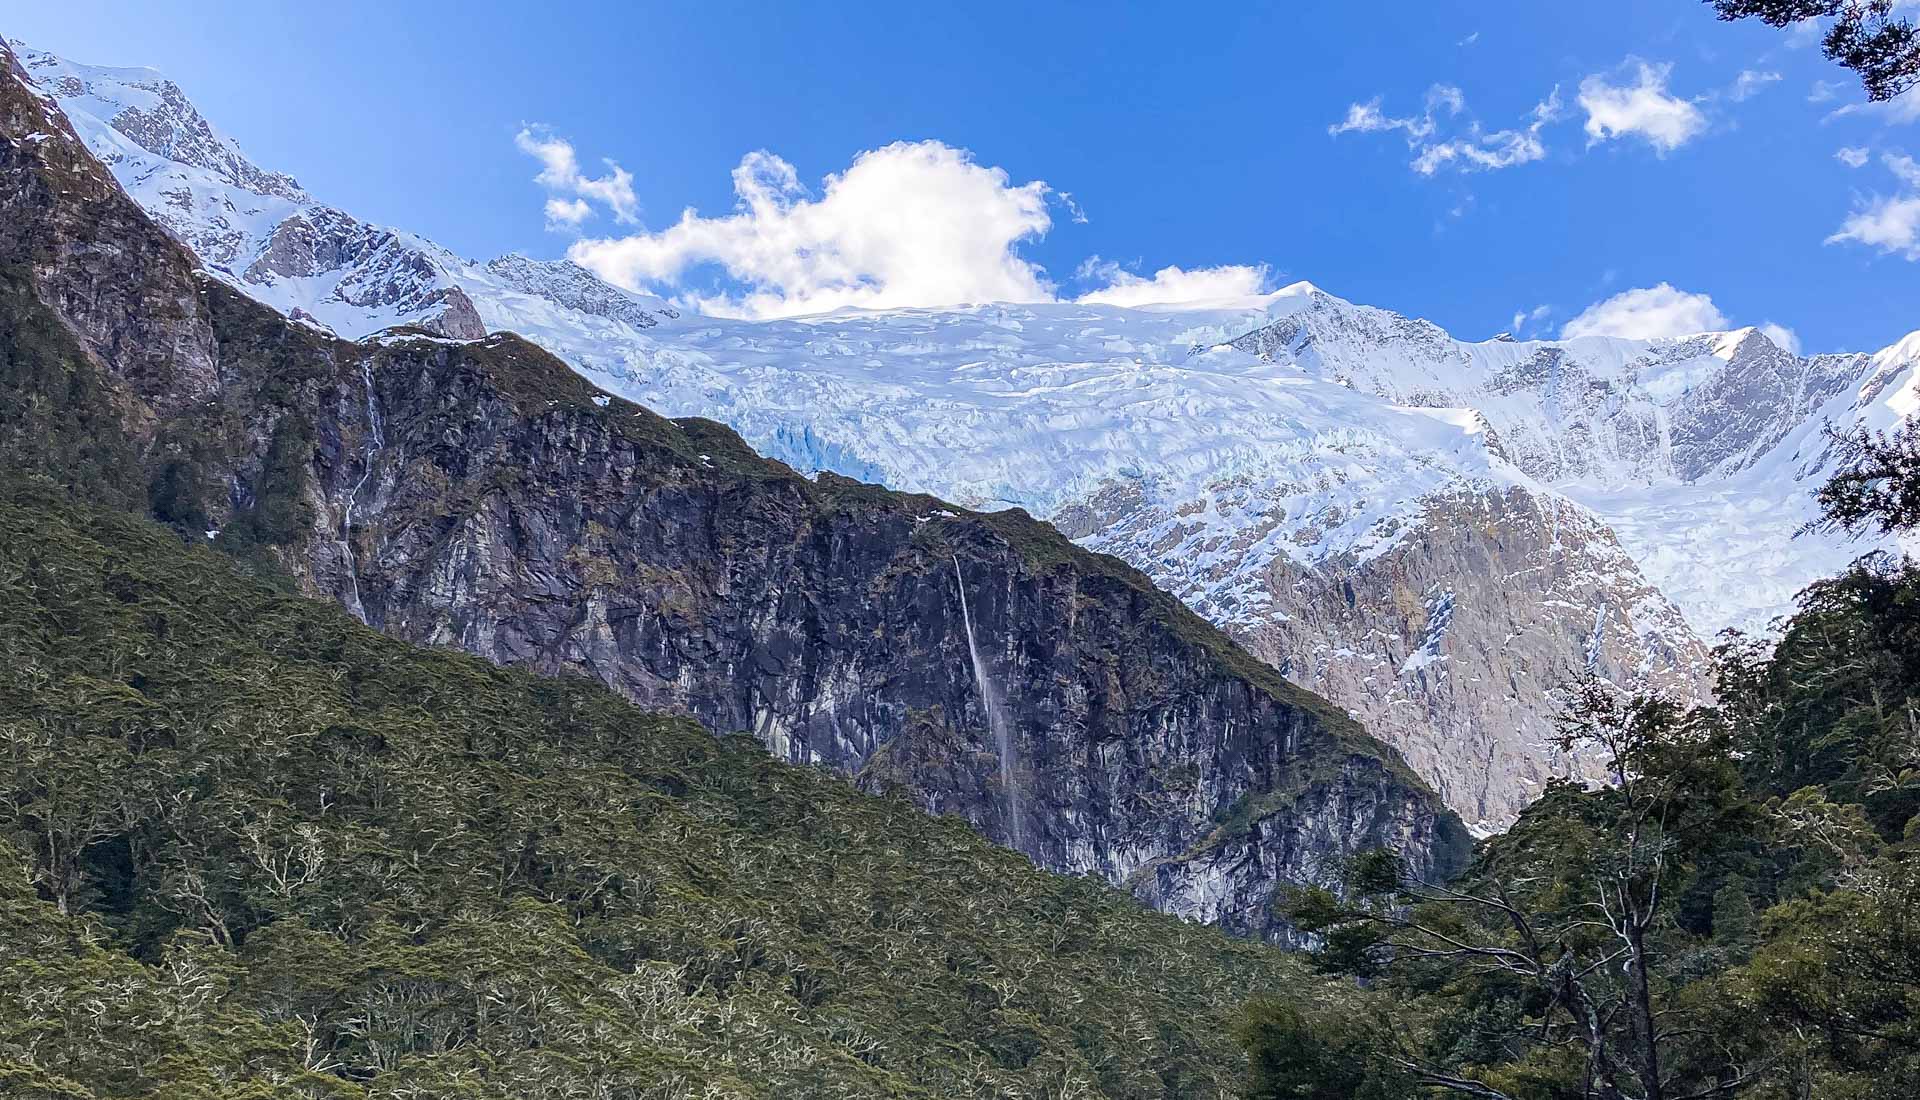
(481,494)
(1310,474)
(280,855)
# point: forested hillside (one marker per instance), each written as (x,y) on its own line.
(254,848)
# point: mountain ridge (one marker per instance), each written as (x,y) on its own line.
(483,495)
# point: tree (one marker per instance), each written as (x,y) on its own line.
(1299,1052)
(1554,967)
(1877,488)
(1865,36)
(1842,969)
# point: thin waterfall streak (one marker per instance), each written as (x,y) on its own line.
(376,442)
(996,718)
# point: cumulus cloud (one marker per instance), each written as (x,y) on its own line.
(1853,156)
(1171,285)
(1663,312)
(1643,108)
(1749,83)
(1648,313)
(570,191)
(911,224)
(1470,148)
(1890,223)
(1783,337)
(567,213)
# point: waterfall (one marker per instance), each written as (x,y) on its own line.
(996,717)
(376,441)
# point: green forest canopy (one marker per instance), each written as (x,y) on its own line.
(253,848)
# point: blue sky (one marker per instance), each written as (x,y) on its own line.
(1190,135)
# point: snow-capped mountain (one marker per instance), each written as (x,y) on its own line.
(1432,532)
(262,232)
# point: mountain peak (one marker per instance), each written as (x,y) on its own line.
(153,113)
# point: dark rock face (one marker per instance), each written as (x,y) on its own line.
(66,227)
(480,494)
(1441,644)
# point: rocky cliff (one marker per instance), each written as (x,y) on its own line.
(481,494)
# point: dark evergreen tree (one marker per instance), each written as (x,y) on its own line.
(1877,487)
(1866,36)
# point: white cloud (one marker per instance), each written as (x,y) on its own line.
(1527,318)
(1822,91)
(1446,97)
(1805,33)
(1171,285)
(567,213)
(1365,118)
(1500,150)
(1783,337)
(1663,312)
(1473,149)
(569,189)
(1888,223)
(1902,108)
(1853,156)
(1749,83)
(911,224)
(1648,313)
(1368,118)
(1643,108)
(1470,39)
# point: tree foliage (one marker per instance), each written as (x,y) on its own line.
(1866,36)
(1877,486)
(249,848)
(1547,962)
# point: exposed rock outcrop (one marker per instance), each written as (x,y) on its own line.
(1446,645)
(1443,639)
